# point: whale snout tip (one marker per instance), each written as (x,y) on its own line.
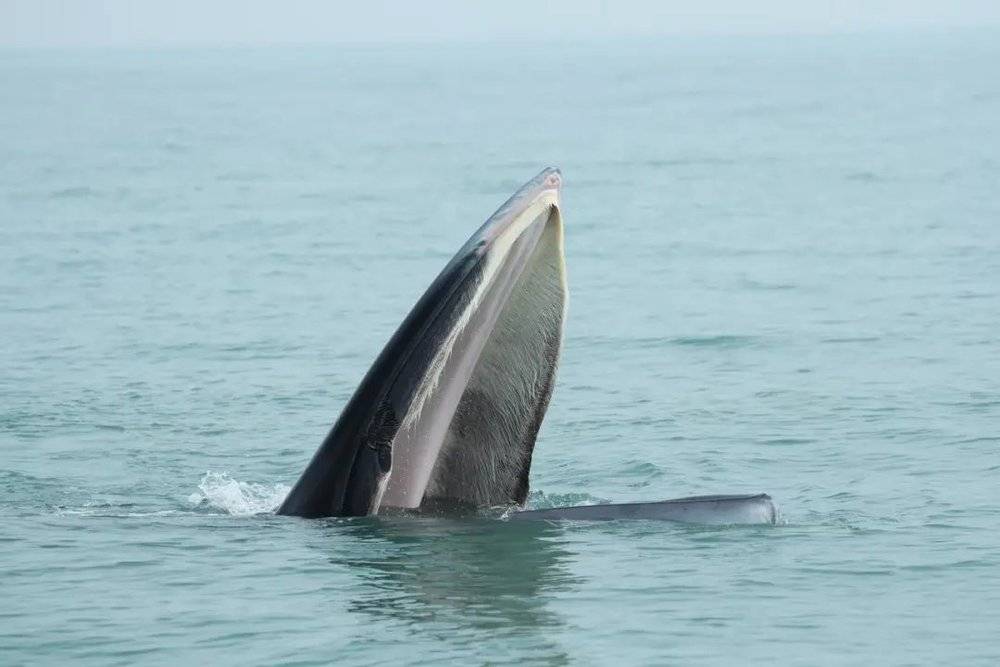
(551,179)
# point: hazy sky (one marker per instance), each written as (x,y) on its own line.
(175,22)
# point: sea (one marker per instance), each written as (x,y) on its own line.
(783,256)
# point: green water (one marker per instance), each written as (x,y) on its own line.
(784,265)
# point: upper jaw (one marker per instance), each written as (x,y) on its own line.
(541,192)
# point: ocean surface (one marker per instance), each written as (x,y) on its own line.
(784,266)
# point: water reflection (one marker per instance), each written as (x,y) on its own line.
(479,580)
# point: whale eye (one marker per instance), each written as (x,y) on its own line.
(381,433)
(384,454)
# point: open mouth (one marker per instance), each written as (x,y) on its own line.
(450,410)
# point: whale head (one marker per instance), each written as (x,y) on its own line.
(450,409)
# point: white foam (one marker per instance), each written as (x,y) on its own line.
(221,491)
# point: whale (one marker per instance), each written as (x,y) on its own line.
(447,416)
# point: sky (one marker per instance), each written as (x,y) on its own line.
(60,23)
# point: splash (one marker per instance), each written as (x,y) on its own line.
(220,491)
